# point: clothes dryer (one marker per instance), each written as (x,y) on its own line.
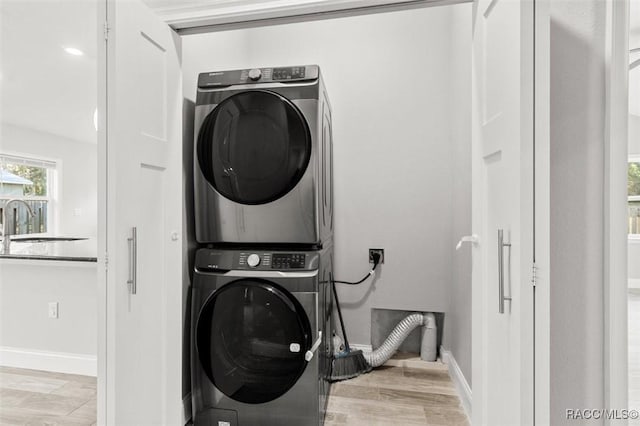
(263,157)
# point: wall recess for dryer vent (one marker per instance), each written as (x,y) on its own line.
(379,251)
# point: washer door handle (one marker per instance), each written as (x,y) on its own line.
(308,356)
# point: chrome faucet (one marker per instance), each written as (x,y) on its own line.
(6,233)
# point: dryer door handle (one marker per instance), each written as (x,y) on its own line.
(308,356)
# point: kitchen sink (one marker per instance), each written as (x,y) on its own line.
(44,239)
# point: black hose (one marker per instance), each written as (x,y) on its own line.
(344,332)
(376,261)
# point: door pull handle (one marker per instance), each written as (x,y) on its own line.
(132,242)
(501,246)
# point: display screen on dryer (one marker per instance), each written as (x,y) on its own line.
(289,73)
(288,261)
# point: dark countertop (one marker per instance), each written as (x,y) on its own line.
(74,251)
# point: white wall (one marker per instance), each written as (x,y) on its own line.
(389,80)
(577,199)
(634,111)
(458,321)
(634,153)
(28,337)
(77,176)
(633,262)
(634,80)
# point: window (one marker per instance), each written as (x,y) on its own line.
(30,180)
(633,187)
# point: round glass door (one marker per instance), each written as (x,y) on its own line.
(251,338)
(254,147)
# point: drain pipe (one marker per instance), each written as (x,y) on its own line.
(400,333)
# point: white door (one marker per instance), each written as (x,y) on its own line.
(502,158)
(144,175)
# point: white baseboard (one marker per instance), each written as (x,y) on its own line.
(60,362)
(460,382)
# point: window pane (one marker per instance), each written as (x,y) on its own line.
(21,180)
(633,187)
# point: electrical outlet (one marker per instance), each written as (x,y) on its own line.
(379,251)
(53,310)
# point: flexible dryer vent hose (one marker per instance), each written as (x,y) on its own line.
(397,336)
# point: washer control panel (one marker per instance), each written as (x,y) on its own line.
(214,260)
(254,260)
(257,75)
(281,261)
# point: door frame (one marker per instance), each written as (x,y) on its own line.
(615,206)
(542,214)
(542,181)
(102,106)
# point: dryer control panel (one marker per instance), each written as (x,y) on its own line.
(257,75)
(211,260)
(288,261)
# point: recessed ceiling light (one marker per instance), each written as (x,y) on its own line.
(73,51)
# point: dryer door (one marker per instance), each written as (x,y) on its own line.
(254,147)
(251,337)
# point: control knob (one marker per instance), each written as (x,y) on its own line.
(253,260)
(255,74)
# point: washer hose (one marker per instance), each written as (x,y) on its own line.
(397,336)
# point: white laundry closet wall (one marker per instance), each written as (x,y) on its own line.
(395,101)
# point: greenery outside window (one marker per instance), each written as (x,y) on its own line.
(634,198)
(30,180)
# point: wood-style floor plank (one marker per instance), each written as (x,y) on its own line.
(409,392)
(634,353)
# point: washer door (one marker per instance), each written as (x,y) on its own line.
(254,147)
(251,338)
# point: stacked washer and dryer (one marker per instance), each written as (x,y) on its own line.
(261,295)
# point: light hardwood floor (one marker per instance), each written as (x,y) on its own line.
(30,397)
(634,353)
(399,395)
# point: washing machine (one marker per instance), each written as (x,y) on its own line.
(263,157)
(261,337)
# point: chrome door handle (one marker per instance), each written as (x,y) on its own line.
(501,246)
(132,242)
(308,356)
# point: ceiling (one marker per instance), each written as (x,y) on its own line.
(194,16)
(44,88)
(41,86)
